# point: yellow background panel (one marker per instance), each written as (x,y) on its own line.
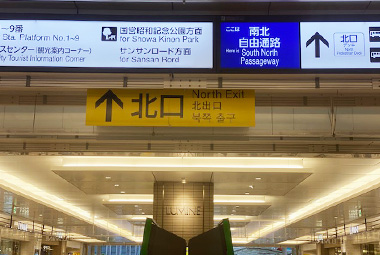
(172,107)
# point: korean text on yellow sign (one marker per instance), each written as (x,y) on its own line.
(172,107)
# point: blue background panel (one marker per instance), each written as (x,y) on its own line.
(260,45)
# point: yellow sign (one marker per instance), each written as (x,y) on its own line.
(172,107)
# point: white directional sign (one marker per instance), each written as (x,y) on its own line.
(329,45)
(106,44)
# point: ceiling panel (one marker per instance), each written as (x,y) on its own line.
(177,176)
(270,184)
(110,188)
(100,176)
(109,182)
(320,176)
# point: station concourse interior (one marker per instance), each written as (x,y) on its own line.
(304,180)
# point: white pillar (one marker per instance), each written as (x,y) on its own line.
(307,248)
(27,248)
(321,249)
(64,247)
(348,248)
(93,251)
(83,249)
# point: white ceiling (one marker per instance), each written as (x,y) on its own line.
(285,190)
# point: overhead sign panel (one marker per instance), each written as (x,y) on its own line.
(106,44)
(335,45)
(260,45)
(174,107)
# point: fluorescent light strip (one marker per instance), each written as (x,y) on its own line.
(142,200)
(182,166)
(293,242)
(141,218)
(239,240)
(215,201)
(183,162)
(90,240)
(218,199)
(239,201)
(364,184)
(75,158)
(231,218)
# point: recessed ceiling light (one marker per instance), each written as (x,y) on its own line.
(40,215)
(237,206)
(108,177)
(258,178)
(336,217)
(122,192)
(251,186)
(183,180)
(136,206)
(117,185)
(142,213)
(247,193)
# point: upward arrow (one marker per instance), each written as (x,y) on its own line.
(109,96)
(317,38)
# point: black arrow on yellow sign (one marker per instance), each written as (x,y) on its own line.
(109,96)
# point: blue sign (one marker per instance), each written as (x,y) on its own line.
(260,45)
